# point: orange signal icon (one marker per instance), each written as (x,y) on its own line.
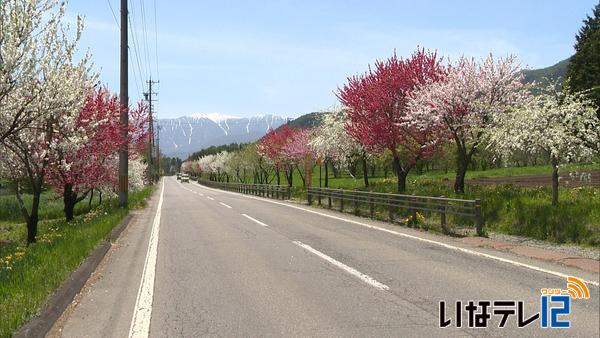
(577,289)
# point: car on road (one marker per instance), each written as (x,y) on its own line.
(185,178)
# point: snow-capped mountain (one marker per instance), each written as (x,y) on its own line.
(185,135)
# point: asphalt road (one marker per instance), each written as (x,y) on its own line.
(225,264)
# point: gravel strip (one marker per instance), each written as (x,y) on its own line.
(567,249)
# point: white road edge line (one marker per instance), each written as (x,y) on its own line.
(210,198)
(255,220)
(225,205)
(365,278)
(142,313)
(447,246)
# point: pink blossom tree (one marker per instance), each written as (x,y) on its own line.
(298,152)
(465,102)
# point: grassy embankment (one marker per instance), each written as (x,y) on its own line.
(30,274)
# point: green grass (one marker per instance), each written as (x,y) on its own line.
(348,182)
(506,209)
(32,273)
(51,208)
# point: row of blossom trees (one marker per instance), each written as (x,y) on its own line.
(410,107)
(57,126)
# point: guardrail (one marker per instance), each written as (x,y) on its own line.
(394,202)
(264,190)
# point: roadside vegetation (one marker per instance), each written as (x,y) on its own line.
(29,274)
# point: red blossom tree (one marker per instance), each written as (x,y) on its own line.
(377,109)
(92,164)
(271,146)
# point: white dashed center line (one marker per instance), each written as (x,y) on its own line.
(210,198)
(254,220)
(225,205)
(365,278)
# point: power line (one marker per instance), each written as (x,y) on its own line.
(156,40)
(134,73)
(113,14)
(145,32)
(136,48)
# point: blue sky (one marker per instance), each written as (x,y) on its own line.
(244,58)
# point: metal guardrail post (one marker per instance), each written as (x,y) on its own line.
(356,211)
(478,217)
(391,209)
(289,193)
(319,195)
(309,196)
(342,200)
(413,210)
(371,208)
(329,199)
(443,217)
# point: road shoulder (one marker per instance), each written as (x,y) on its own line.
(104,305)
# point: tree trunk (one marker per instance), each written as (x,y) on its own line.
(301,176)
(402,181)
(32,221)
(326,174)
(320,176)
(288,176)
(401,174)
(100,197)
(462,163)
(278,177)
(91,198)
(554,183)
(336,172)
(69,198)
(365,170)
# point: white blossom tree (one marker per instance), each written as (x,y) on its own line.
(137,174)
(38,108)
(332,144)
(465,102)
(32,44)
(219,165)
(561,125)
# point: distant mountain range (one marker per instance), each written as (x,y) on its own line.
(182,136)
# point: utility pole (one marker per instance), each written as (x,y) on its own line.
(151,144)
(124,100)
